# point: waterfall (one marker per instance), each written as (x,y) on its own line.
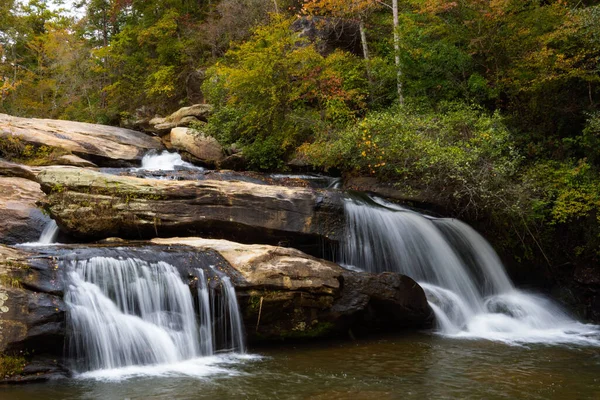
(125,312)
(49,233)
(464,280)
(165,161)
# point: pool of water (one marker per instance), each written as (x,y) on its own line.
(419,366)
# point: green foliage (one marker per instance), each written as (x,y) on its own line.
(273,91)
(457,154)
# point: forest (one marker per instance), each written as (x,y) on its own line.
(488,109)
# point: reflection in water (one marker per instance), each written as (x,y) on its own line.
(417,366)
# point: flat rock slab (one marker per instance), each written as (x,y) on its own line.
(101,143)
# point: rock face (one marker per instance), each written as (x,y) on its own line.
(205,148)
(285,293)
(32,314)
(92,205)
(104,145)
(21,220)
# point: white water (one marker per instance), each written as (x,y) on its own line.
(47,237)
(130,317)
(49,233)
(166,161)
(463,278)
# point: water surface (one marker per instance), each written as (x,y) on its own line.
(416,366)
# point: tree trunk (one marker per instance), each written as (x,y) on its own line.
(365,48)
(363,38)
(397,51)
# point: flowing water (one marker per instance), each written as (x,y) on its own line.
(127,316)
(47,237)
(463,278)
(166,161)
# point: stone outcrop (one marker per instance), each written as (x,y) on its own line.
(32,315)
(286,294)
(21,220)
(103,145)
(93,205)
(203,147)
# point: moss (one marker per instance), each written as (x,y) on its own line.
(9,281)
(11,366)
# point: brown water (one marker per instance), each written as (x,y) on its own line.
(418,366)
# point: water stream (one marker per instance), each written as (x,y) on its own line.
(166,161)
(463,278)
(128,316)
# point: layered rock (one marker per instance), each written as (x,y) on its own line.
(104,145)
(92,205)
(286,294)
(21,220)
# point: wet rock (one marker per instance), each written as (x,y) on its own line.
(104,145)
(286,294)
(32,323)
(20,219)
(382,302)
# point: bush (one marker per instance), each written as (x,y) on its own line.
(458,155)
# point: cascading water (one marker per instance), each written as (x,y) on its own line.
(126,312)
(463,278)
(165,161)
(50,233)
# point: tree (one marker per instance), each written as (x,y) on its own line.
(274,91)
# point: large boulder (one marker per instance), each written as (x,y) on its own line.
(285,293)
(20,219)
(103,145)
(92,205)
(203,147)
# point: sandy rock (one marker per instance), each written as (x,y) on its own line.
(205,148)
(103,144)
